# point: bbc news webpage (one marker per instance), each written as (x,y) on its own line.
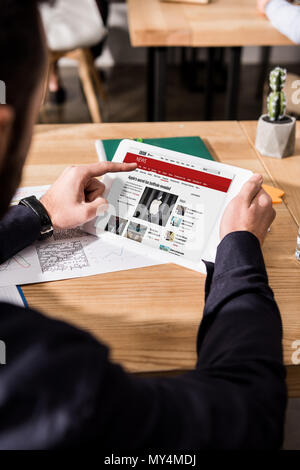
(167,204)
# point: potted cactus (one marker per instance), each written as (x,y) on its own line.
(275,136)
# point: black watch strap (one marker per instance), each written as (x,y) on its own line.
(40,211)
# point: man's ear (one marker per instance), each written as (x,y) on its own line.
(6,121)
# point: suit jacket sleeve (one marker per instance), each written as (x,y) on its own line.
(59,387)
(19,228)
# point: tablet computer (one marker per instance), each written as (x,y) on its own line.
(170,207)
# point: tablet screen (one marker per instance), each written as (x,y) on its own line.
(169,203)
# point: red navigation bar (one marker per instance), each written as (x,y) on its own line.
(189,175)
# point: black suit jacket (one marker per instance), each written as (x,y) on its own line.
(59,387)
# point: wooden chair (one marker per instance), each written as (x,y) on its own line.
(72,28)
(88,74)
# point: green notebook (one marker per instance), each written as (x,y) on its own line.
(190,145)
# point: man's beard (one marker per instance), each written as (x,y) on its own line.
(10,177)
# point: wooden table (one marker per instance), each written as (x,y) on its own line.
(222,23)
(149,317)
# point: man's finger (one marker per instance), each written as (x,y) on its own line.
(94,185)
(251,188)
(262,199)
(91,196)
(93,208)
(101,168)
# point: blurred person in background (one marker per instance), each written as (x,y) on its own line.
(68,15)
(284,16)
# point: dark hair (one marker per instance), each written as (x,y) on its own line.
(22,61)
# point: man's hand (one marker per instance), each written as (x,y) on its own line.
(261,5)
(77,196)
(250,210)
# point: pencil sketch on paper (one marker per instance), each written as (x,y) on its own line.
(68,254)
(62,256)
(20,261)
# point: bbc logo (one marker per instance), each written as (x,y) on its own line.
(2,92)
(2,353)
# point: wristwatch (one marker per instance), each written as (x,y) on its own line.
(46,224)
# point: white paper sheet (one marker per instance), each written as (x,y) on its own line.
(11,295)
(68,254)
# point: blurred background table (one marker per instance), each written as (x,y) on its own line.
(232,24)
(149,317)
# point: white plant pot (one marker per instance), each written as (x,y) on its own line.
(276,139)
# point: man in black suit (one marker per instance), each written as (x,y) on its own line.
(59,387)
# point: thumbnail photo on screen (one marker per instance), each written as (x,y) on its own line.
(136,232)
(116,225)
(155,206)
(180,210)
